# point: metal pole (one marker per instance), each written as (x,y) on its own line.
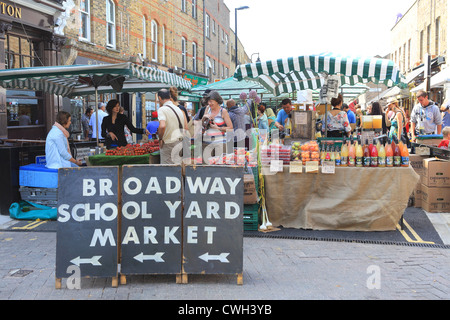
(96,113)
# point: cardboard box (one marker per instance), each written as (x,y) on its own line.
(435,199)
(250,194)
(416,162)
(418,196)
(436,173)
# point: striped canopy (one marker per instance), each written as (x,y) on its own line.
(310,72)
(70,80)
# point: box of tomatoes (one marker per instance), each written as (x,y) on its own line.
(305,152)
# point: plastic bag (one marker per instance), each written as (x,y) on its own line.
(26,210)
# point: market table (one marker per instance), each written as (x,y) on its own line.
(104,160)
(352,199)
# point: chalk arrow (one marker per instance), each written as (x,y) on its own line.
(156,257)
(94,261)
(221,257)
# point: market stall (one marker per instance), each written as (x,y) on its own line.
(343,198)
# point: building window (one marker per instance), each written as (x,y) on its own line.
(194,9)
(421,45)
(194,57)
(21,52)
(144,37)
(24,108)
(429,39)
(438,36)
(226,44)
(110,24)
(163,40)
(409,54)
(183,5)
(154,41)
(183,52)
(207,22)
(85,17)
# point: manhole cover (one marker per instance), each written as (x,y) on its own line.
(19,273)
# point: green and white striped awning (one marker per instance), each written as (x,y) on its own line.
(68,80)
(310,72)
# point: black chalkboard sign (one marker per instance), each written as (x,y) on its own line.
(213,220)
(151,227)
(87,221)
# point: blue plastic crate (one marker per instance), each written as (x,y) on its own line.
(38,176)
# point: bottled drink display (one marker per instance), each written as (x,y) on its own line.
(355,154)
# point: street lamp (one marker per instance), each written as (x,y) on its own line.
(235,33)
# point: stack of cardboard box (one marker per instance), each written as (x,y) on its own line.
(432,193)
(435,186)
(416,162)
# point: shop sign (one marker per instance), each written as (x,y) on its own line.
(213,220)
(10,10)
(151,220)
(195,81)
(87,221)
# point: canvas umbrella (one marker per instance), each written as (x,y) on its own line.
(310,72)
(67,81)
(313,71)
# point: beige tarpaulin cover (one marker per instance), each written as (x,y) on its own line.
(353,199)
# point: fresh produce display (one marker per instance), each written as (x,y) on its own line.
(135,149)
(306,152)
(240,157)
(275,152)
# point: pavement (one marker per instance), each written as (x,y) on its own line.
(274,269)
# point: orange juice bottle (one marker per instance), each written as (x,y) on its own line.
(389,155)
(405,156)
(382,157)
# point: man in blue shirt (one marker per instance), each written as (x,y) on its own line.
(283,114)
(445,115)
(350,114)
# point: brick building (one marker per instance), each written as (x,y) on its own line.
(422,30)
(29,37)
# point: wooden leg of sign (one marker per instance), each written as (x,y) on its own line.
(123,279)
(115,282)
(240,279)
(58,283)
(182,278)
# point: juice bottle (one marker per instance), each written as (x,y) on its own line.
(332,155)
(389,155)
(337,157)
(382,157)
(322,154)
(351,155)
(405,156)
(359,155)
(366,155)
(327,154)
(374,156)
(344,155)
(397,156)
